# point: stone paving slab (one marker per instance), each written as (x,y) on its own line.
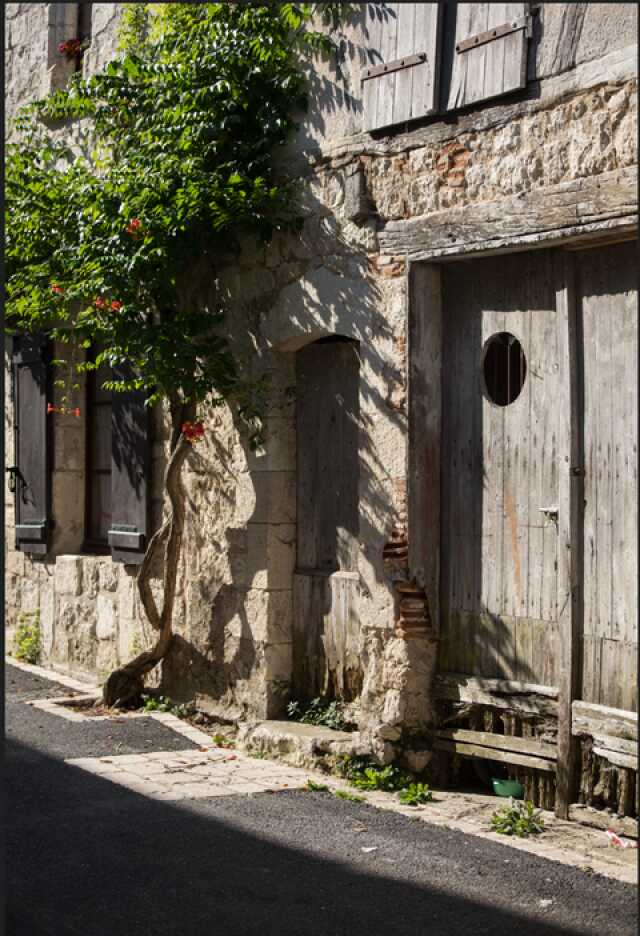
(190,774)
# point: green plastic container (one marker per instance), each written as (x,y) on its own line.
(507,788)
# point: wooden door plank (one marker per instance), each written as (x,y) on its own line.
(404,79)
(425,380)
(387,83)
(569,532)
(425,81)
(370,87)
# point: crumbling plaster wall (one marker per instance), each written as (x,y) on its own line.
(234,606)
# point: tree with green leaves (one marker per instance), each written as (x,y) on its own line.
(176,149)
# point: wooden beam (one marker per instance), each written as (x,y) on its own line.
(589,718)
(424,395)
(506,686)
(519,704)
(609,743)
(615,757)
(502,742)
(570,502)
(534,215)
(508,757)
(602,820)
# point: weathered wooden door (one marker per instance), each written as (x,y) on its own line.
(503,385)
(326,632)
(607,290)
(507,365)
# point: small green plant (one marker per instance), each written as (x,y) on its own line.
(162,704)
(319,712)
(258,755)
(365,774)
(317,787)
(221,740)
(416,794)
(351,797)
(29,638)
(518,818)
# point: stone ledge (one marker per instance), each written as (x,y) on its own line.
(301,745)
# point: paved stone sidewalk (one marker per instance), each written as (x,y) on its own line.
(209,772)
(179,775)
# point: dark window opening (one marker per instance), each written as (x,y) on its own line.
(98,515)
(504,368)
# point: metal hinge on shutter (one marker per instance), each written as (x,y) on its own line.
(496,33)
(396,65)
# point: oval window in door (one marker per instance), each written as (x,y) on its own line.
(504,368)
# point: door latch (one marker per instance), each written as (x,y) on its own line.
(550,513)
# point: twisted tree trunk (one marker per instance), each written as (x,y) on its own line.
(124,686)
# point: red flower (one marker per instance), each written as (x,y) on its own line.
(63,410)
(133,227)
(100,303)
(58,290)
(115,305)
(193,432)
(70,48)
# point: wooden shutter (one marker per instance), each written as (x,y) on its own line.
(31,356)
(128,534)
(401,80)
(490,53)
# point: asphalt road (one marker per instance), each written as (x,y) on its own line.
(89,858)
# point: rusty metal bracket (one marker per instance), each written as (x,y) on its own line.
(396,65)
(496,33)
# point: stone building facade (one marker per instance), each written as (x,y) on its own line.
(547,160)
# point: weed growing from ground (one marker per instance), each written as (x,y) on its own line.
(365,774)
(221,740)
(319,712)
(29,638)
(416,794)
(317,787)
(351,797)
(519,818)
(162,704)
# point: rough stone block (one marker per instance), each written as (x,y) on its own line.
(47,618)
(15,562)
(108,574)
(106,618)
(29,596)
(68,575)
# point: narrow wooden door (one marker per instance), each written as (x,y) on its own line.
(503,386)
(326,659)
(607,290)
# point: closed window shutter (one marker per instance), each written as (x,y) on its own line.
(31,357)
(490,53)
(128,533)
(400,82)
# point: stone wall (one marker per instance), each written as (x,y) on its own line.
(234,607)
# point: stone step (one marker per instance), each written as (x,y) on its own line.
(298,744)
